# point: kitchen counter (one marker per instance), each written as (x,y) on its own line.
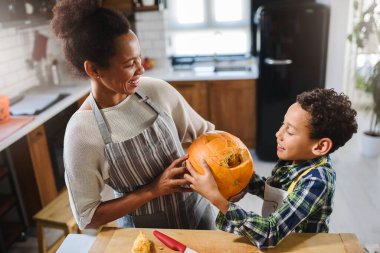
(168,74)
(121,240)
(78,88)
(74,92)
(33,165)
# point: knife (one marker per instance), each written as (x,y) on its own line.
(173,244)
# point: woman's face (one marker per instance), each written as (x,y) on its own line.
(125,69)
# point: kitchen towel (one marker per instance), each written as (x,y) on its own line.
(40,44)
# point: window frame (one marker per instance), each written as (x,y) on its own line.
(359,98)
(209,17)
(209,23)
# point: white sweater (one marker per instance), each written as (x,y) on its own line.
(86,166)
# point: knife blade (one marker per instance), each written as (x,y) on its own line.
(172,243)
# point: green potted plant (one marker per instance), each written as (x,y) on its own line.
(374,81)
(366,34)
(371,137)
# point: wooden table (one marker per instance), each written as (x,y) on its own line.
(120,240)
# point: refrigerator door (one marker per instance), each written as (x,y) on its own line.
(292,59)
(255,5)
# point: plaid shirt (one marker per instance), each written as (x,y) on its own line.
(307,209)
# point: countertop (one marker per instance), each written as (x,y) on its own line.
(78,88)
(167,73)
(75,91)
(121,240)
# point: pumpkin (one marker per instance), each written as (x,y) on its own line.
(228,158)
(4,109)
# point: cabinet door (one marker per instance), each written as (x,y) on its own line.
(120,5)
(10,230)
(43,170)
(195,94)
(31,161)
(233,108)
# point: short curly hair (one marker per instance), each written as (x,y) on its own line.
(88,32)
(331,115)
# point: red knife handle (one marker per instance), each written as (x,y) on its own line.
(170,242)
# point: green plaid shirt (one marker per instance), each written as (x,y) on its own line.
(307,209)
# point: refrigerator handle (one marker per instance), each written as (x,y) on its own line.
(271,61)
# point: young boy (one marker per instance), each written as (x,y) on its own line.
(298,195)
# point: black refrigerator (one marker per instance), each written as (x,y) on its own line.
(291,46)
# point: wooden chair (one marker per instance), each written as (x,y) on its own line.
(57,214)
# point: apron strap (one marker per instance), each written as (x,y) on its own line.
(293,184)
(102,125)
(149,102)
(99,117)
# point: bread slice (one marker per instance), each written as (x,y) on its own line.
(141,244)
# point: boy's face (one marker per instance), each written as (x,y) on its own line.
(293,137)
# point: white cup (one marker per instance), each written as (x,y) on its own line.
(147,2)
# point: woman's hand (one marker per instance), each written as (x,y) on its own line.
(206,186)
(171,179)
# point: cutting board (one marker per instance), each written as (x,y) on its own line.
(113,240)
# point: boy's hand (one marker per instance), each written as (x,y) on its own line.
(239,196)
(206,186)
(203,184)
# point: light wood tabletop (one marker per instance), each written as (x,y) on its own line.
(121,240)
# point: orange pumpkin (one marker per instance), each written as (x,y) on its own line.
(4,109)
(228,158)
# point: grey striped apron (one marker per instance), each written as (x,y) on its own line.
(138,161)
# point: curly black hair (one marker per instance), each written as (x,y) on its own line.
(88,32)
(331,115)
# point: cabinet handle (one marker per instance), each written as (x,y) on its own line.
(271,61)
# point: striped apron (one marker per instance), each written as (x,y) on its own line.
(138,161)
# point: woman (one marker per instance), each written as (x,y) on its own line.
(128,133)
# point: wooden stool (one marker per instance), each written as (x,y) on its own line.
(57,214)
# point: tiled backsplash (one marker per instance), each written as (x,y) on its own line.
(16,46)
(151,33)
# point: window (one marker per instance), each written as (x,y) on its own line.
(363,54)
(206,27)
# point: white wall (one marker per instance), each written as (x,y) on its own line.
(151,33)
(16,46)
(337,45)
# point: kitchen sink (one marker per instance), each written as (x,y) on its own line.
(220,63)
(232,68)
(33,104)
(211,68)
